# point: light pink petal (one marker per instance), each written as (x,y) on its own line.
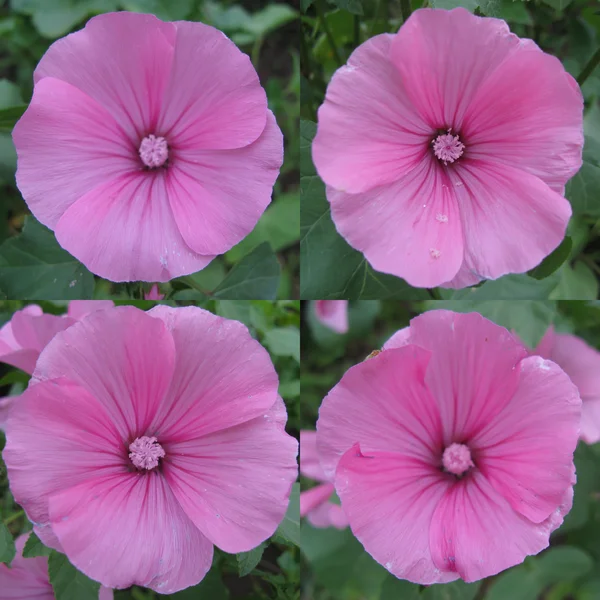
(333,314)
(464,278)
(328,515)
(217,196)
(369,132)
(136,525)
(496,198)
(124,230)
(213,99)
(122,60)
(105,594)
(384,405)
(222,376)
(127,368)
(444,57)
(309,457)
(399,339)
(389,500)
(473,371)
(526,451)
(235,484)
(80,308)
(34,332)
(12,350)
(590,421)
(67,144)
(315,497)
(476,533)
(528,114)
(411,228)
(5,404)
(58,437)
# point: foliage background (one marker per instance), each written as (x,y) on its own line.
(35,267)
(334,564)
(272,570)
(331,29)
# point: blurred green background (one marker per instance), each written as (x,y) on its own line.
(265,264)
(331,29)
(270,572)
(334,564)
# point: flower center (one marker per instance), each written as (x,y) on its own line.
(154,151)
(145,452)
(457,459)
(448,147)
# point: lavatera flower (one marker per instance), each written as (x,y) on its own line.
(145,438)
(148,147)
(446,148)
(452,449)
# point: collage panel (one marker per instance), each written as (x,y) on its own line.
(438,449)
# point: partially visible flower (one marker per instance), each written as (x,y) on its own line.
(452,449)
(581,363)
(148,147)
(154,293)
(332,314)
(446,148)
(315,504)
(145,438)
(27,578)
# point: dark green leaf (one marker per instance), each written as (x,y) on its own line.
(7,545)
(457,590)
(305,4)
(15,377)
(509,287)
(553,261)
(289,528)
(34,547)
(399,589)
(10,116)
(163,9)
(210,588)
(470,5)
(562,563)
(559,5)
(247,561)
(34,267)
(69,583)
(583,190)
(353,6)
(517,584)
(308,130)
(255,277)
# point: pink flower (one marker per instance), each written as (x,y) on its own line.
(145,438)
(27,578)
(148,147)
(582,364)
(446,149)
(154,293)
(452,449)
(332,314)
(315,503)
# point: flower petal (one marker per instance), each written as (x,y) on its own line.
(80,308)
(369,132)
(315,497)
(309,457)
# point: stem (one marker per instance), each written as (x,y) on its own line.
(406,9)
(14,517)
(587,70)
(328,34)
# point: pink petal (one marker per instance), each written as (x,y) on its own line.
(528,114)
(389,500)
(5,404)
(402,337)
(444,57)
(218,196)
(136,525)
(315,497)
(122,356)
(333,314)
(497,198)
(411,228)
(124,230)
(223,377)
(328,515)
(213,99)
(58,436)
(34,332)
(384,405)
(309,457)
(154,294)
(526,451)
(80,308)
(235,484)
(11,351)
(122,60)
(67,144)
(473,371)
(369,132)
(475,532)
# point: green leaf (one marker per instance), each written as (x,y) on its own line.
(576,283)
(268,19)
(34,547)
(10,116)
(305,4)
(255,277)
(352,6)
(457,590)
(16,376)
(210,588)
(559,5)
(396,589)
(583,190)
(553,261)
(167,10)
(308,130)
(34,267)
(283,341)
(239,310)
(509,287)
(69,583)
(7,545)
(517,584)
(247,561)
(289,528)
(562,563)
(515,11)
(470,5)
